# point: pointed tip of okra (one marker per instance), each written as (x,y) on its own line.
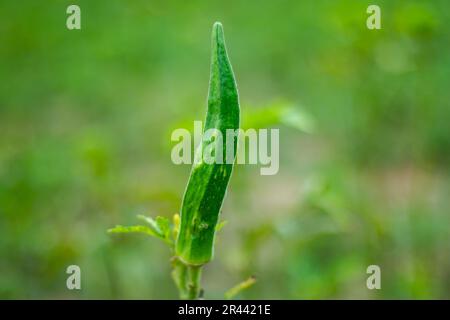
(217,25)
(217,30)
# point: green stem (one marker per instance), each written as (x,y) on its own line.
(179,275)
(194,275)
(187,279)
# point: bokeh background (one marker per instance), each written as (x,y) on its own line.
(85,124)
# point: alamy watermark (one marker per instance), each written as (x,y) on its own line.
(73,21)
(373,22)
(73,281)
(213,147)
(374,280)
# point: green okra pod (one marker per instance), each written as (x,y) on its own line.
(208,181)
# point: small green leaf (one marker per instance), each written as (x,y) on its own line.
(279,113)
(133,229)
(160,226)
(164,225)
(152,224)
(158,229)
(298,119)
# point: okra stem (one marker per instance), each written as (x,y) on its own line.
(194,274)
(179,275)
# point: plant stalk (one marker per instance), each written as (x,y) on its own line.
(179,275)
(194,275)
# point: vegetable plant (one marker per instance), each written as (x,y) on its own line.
(191,234)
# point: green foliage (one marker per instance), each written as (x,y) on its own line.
(278,113)
(159,228)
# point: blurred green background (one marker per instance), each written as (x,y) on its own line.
(85,124)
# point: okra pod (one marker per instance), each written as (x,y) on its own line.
(208,181)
